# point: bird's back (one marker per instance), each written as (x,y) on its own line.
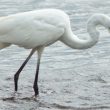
(34,28)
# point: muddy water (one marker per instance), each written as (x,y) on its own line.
(69,79)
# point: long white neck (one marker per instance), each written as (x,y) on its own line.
(74,42)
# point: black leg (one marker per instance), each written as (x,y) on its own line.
(16,76)
(35,86)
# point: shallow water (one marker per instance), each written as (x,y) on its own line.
(69,79)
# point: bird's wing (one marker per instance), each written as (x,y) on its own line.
(24,31)
(6,25)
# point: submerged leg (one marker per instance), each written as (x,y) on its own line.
(35,86)
(16,76)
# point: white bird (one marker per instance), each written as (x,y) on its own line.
(40,28)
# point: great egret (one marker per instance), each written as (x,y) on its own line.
(40,28)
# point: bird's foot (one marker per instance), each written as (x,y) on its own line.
(35,97)
(15,94)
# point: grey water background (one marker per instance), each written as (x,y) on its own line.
(69,79)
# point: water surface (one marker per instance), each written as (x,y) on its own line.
(69,79)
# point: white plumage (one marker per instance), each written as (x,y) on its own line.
(37,29)
(34,28)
